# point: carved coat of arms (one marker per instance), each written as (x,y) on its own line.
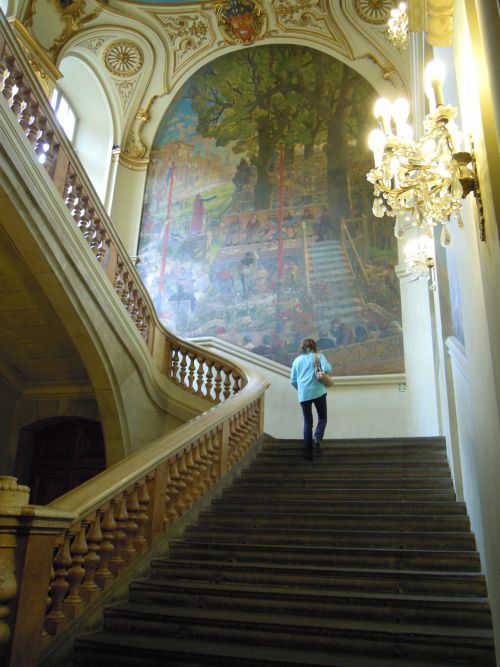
(241,21)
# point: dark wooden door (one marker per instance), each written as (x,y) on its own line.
(65,455)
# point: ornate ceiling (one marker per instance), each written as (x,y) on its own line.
(142,52)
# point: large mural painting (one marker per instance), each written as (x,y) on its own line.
(257,224)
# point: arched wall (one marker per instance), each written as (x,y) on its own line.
(95,131)
(211,273)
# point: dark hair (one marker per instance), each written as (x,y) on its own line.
(308,344)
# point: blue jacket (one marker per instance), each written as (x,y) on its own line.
(303,376)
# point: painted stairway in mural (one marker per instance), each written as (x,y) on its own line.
(328,264)
(363,558)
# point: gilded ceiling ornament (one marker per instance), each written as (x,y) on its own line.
(299,12)
(240,21)
(374,11)
(186,33)
(134,148)
(72,13)
(123,58)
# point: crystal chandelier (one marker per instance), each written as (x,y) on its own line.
(421,182)
(420,258)
(397,27)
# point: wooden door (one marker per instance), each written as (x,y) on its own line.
(65,455)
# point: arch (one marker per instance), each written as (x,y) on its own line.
(255,200)
(96,128)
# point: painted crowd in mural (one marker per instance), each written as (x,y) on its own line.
(257,225)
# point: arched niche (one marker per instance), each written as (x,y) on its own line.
(94,136)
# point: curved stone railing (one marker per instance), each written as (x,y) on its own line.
(196,371)
(67,554)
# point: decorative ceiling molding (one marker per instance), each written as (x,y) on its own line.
(188,35)
(93,44)
(123,58)
(311,18)
(74,18)
(376,12)
(125,91)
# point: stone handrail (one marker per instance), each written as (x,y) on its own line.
(60,558)
(213,380)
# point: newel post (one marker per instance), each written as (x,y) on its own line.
(27,537)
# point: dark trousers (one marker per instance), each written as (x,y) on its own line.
(320,405)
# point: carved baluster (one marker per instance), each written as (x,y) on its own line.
(24,116)
(200,372)
(89,588)
(104,576)
(131,526)
(218,381)
(200,465)
(56,618)
(117,563)
(9,81)
(69,186)
(183,365)
(191,369)
(142,517)
(171,493)
(204,461)
(227,383)
(182,495)
(192,475)
(32,111)
(52,153)
(209,379)
(213,449)
(73,603)
(174,364)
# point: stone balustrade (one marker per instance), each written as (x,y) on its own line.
(57,560)
(199,373)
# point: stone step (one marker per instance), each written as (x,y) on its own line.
(268,519)
(288,631)
(406,445)
(264,475)
(389,607)
(324,556)
(335,482)
(345,538)
(107,649)
(339,507)
(334,578)
(342,494)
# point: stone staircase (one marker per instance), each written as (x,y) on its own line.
(328,265)
(362,558)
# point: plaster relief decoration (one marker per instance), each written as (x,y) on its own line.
(134,147)
(310,16)
(257,225)
(125,90)
(376,12)
(186,34)
(123,58)
(299,12)
(240,21)
(73,14)
(93,44)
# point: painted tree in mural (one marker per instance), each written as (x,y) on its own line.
(260,98)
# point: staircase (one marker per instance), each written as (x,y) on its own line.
(328,265)
(362,558)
